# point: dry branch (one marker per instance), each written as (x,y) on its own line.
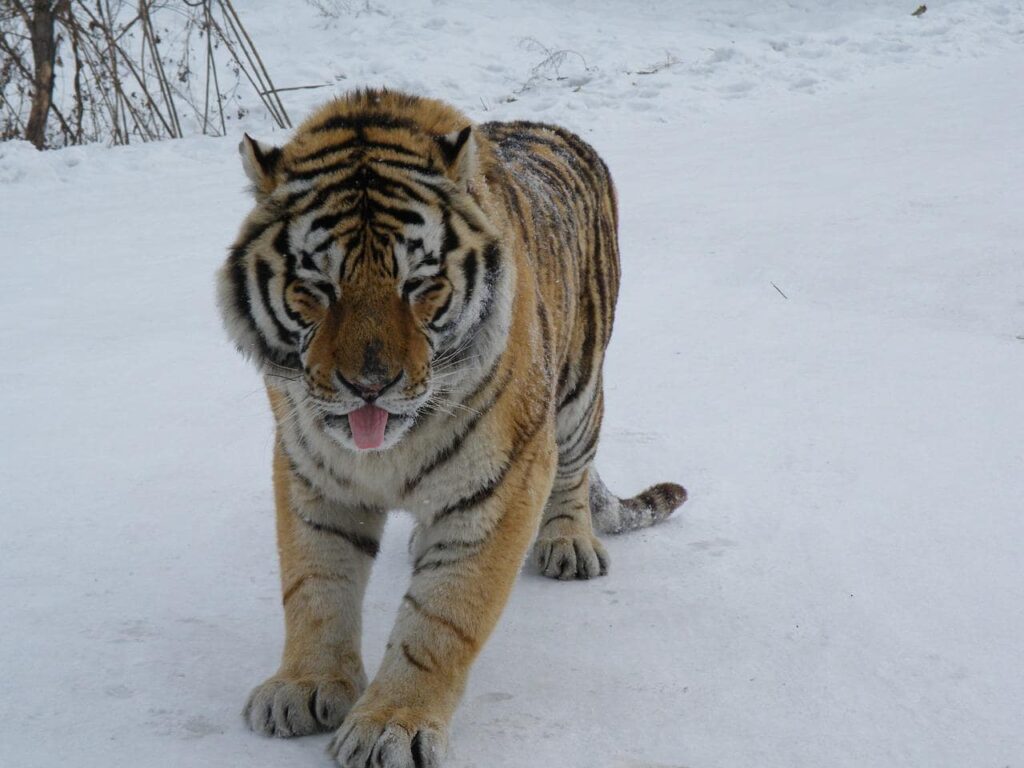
(118,59)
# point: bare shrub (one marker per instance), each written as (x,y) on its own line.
(78,71)
(549,68)
(335,9)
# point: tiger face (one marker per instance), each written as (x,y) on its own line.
(365,269)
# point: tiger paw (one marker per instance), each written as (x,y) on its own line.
(398,740)
(286,707)
(571,557)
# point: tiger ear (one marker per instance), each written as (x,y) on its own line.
(261,162)
(458,150)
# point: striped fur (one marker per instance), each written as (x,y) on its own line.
(470,272)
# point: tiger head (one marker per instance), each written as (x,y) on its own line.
(367,266)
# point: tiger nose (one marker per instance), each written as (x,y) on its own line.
(369,392)
(369,388)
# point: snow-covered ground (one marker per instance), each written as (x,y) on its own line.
(820,333)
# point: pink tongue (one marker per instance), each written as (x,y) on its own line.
(367,425)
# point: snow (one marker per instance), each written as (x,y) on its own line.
(844,587)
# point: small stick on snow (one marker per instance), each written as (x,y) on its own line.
(293,88)
(779,290)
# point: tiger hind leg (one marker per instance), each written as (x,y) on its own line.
(566,546)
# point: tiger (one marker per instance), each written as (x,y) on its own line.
(428,301)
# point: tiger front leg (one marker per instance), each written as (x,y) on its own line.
(466,561)
(326,551)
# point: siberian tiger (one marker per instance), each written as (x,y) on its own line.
(429,302)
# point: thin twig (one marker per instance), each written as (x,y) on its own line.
(295,88)
(250,48)
(158,67)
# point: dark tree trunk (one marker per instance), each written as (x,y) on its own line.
(44,53)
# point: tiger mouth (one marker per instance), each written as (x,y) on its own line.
(340,423)
(341,419)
